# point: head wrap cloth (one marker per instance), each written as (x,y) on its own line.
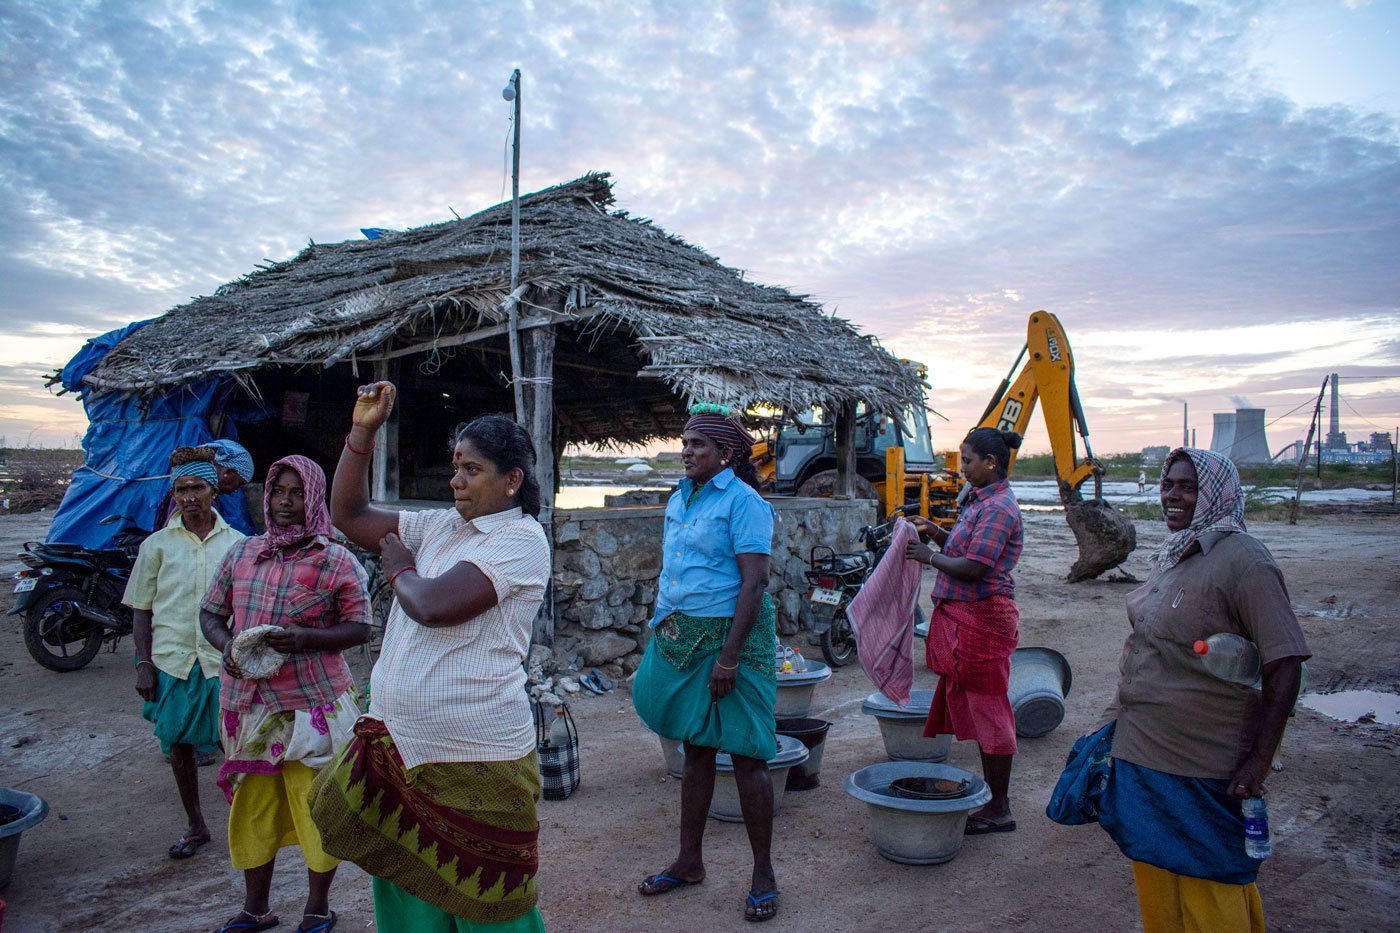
(1219,502)
(725,432)
(202,469)
(318,516)
(233,455)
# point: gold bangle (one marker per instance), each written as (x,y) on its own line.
(723,668)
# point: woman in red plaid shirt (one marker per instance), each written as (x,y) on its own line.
(972,632)
(280,730)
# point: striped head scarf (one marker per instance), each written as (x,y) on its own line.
(200,468)
(318,516)
(1219,502)
(235,456)
(719,424)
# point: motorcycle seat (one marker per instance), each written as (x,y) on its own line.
(847,563)
(56,548)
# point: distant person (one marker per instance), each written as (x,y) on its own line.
(234,466)
(448,743)
(973,630)
(708,677)
(1186,746)
(176,667)
(280,730)
(1142,480)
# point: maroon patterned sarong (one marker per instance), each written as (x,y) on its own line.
(460,835)
(969,647)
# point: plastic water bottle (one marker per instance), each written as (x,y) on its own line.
(1230,657)
(1256,828)
(559,729)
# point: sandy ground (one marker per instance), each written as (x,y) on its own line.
(99,860)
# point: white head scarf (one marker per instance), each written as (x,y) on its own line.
(1219,502)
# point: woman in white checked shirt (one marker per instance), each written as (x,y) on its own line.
(443,768)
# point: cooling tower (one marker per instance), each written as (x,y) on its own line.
(1222,440)
(1239,435)
(1250,444)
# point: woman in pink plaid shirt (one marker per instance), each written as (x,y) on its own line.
(281,729)
(973,629)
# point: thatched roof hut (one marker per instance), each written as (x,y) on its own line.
(621,325)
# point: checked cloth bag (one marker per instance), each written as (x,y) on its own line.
(557,749)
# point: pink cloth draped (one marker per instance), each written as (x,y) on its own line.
(969,648)
(882,615)
(318,516)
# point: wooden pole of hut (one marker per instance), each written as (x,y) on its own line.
(845,451)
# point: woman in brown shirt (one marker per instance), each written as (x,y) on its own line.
(1188,747)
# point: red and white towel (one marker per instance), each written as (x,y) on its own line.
(882,615)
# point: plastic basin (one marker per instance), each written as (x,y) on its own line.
(794,698)
(1040,681)
(675,757)
(916,832)
(32,810)
(903,728)
(811,733)
(725,803)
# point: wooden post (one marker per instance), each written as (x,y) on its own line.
(537,385)
(845,451)
(1394,467)
(1303,460)
(384,462)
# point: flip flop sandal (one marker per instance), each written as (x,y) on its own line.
(254,923)
(187,845)
(756,903)
(327,923)
(663,878)
(602,679)
(590,683)
(977,826)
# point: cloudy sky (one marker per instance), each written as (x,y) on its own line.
(1206,193)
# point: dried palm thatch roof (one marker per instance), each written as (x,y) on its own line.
(694,324)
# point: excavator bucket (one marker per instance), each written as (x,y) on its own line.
(1105,536)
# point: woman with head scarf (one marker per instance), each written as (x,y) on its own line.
(973,629)
(281,728)
(176,666)
(1188,747)
(708,678)
(443,769)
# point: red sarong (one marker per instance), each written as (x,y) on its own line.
(969,647)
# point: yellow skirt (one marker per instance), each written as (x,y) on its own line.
(270,812)
(1172,903)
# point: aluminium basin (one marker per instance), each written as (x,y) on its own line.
(725,803)
(916,832)
(902,728)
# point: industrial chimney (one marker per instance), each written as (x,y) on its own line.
(1336,440)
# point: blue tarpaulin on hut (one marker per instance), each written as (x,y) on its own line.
(128,445)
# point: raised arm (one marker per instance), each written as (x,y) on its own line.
(350,508)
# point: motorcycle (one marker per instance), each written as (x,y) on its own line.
(70,597)
(835,580)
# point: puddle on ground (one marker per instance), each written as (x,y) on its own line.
(1351,705)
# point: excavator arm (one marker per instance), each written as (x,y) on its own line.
(1047,377)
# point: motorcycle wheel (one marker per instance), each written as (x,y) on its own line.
(44,633)
(839,641)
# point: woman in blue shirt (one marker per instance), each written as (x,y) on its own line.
(707,678)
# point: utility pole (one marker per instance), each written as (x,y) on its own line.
(1394,467)
(511,92)
(1303,460)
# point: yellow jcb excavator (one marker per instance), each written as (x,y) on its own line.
(895,459)
(1105,536)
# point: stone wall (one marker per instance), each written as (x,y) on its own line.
(607,561)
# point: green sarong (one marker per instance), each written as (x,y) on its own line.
(185,712)
(671,691)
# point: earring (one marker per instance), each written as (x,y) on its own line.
(510,492)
